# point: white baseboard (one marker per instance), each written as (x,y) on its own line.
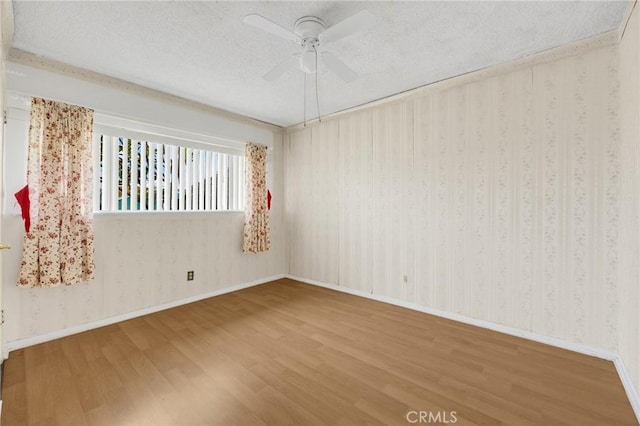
(632,394)
(30,341)
(629,388)
(576,347)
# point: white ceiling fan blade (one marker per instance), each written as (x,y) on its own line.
(338,67)
(269,26)
(355,23)
(281,68)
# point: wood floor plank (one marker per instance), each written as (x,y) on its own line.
(290,353)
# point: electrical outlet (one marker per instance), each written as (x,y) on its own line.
(189,275)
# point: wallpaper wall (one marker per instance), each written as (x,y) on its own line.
(498,199)
(629,282)
(142,261)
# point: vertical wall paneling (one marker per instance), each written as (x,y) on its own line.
(580,198)
(440,207)
(297,186)
(629,250)
(288,196)
(348,249)
(503,196)
(318,188)
(481,127)
(408,207)
(367,229)
(424,192)
(497,198)
(526,207)
(307,233)
(356,199)
(612,220)
(382,204)
(458,295)
(547,125)
(326,194)
(392,142)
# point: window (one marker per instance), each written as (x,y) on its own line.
(139,175)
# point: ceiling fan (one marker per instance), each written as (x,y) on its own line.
(310,32)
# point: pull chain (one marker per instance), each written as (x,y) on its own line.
(317,97)
(305,100)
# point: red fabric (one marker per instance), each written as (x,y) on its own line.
(23,199)
(268,199)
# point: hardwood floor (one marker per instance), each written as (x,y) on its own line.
(291,353)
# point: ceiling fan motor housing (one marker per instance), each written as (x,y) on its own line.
(309,28)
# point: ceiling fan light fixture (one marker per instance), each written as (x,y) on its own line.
(309,32)
(308,61)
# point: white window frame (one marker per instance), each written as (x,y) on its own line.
(195,145)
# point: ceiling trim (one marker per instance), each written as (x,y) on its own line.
(610,38)
(625,18)
(29,59)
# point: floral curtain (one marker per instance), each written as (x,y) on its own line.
(256,222)
(58,249)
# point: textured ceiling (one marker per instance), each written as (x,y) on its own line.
(204,52)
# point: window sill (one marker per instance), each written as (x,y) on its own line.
(100,216)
